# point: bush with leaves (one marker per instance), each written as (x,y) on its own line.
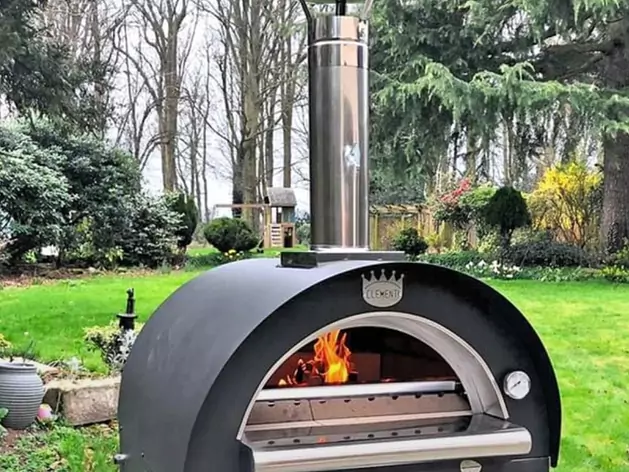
(464,208)
(567,201)
(113,343)
(186,208)
(616,274)
(303,233)
(543,251)
(506,211)
(149,238)
(448,209)
(226,234)
(33,200)
(410,242)
(474,204)
(620,258)
(454,260)
(63,189)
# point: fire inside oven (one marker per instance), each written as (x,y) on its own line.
(364,387)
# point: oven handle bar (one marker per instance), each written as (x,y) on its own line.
(500,443)
(356,390)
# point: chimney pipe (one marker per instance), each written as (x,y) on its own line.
(339,120)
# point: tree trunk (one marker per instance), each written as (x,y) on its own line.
(206,209)
(287,104)
(99,88)
(615,218)
(269,151)
(171,109)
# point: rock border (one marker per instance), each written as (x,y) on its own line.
(85,401)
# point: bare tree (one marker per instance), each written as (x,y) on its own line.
(157,59)
(252,35)
(136,129)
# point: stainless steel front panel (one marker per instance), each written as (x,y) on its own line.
(485,437)
(339,112)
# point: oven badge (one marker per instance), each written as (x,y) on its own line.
(383,291)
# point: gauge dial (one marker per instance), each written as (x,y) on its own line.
(517,385)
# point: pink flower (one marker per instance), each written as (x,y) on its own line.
(45,414)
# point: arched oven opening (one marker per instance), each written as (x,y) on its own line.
(358,384)
(380,389)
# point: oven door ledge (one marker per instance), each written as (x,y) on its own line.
(484,437)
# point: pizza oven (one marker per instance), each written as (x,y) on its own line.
(349,365)
(338,358)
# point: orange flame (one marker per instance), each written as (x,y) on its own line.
(334,355)
(330,363)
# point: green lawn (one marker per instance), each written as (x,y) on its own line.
(585,326)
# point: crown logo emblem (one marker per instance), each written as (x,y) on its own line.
(383,292)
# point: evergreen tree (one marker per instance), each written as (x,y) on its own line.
(473,67)
(187,209)
(37,75)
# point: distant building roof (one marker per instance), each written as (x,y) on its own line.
(280,197)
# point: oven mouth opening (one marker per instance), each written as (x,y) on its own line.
(411,392)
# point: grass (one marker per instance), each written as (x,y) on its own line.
(63,449)
(585,327)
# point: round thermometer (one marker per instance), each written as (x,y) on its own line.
(517,385)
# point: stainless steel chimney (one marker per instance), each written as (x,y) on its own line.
(339,141)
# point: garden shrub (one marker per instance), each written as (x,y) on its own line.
(213,259)
(464,208)
(149,239)
(202,261)
(230,233)
(303,233)
(615,274)
(302,226)
(33,197)
(545,252)
(448,209)
(454,260)
(474,203)
(63,189)
(186,208)
(410,242)
(568,201)
(113,343)
(619,259)
(489,243)
(506,211)
(436,240)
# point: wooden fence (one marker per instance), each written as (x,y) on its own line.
(386,221)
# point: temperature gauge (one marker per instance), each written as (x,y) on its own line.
(517,385)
